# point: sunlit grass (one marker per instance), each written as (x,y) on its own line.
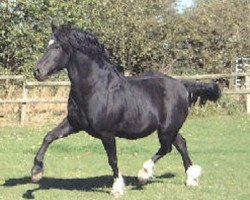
(77,167)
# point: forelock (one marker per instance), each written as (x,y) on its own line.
(81,40)
(62,33)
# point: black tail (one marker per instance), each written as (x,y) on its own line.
(202,92)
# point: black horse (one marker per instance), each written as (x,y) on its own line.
(106,105)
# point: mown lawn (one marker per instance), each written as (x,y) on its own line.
(77,168)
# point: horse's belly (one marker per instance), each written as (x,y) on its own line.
(135,133)
(137,127)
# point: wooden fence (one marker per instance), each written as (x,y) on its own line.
(24,100)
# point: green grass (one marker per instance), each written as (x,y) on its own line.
(77,168)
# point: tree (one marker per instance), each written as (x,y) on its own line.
(210,36)
(141,35)
(133,31)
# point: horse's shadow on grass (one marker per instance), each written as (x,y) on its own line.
(91,184)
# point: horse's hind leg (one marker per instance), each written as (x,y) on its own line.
(62,130)
(192,171)
(166,138)
(181,146)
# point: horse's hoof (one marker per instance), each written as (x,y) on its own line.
(143,176)
(36,177)
(116,194)
(193,174)
(118,187)
(192,182)
(37,173)
(146,173)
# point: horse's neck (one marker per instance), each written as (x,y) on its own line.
(86,75)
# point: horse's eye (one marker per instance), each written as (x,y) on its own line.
(57,47)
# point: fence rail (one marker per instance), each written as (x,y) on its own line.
(27,85)
(7,77)
(209,76)
(27,101)
(48,83)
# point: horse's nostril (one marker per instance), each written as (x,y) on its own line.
(36,72)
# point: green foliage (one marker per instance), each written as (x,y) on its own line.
(134,32)
(227,105)
(141,35)
(210,36)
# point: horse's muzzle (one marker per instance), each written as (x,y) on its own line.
(38,75)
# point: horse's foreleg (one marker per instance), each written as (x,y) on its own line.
(192,171)
(62,130)
(109,144)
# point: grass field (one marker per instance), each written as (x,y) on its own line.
(77,168)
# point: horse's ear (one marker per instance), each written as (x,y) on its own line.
(69,24)
(53,27)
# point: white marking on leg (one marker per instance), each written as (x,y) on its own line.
(51,42)
(146,173)
(118,187)
(193,174)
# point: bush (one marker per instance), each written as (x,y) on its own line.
(227,105)
(141,35)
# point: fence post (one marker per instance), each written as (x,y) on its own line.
(23,105)
(248,88)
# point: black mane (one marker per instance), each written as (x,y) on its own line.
(83,41)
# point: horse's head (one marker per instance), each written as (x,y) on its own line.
(53,60)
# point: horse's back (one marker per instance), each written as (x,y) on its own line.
(160,85)
(154,101)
